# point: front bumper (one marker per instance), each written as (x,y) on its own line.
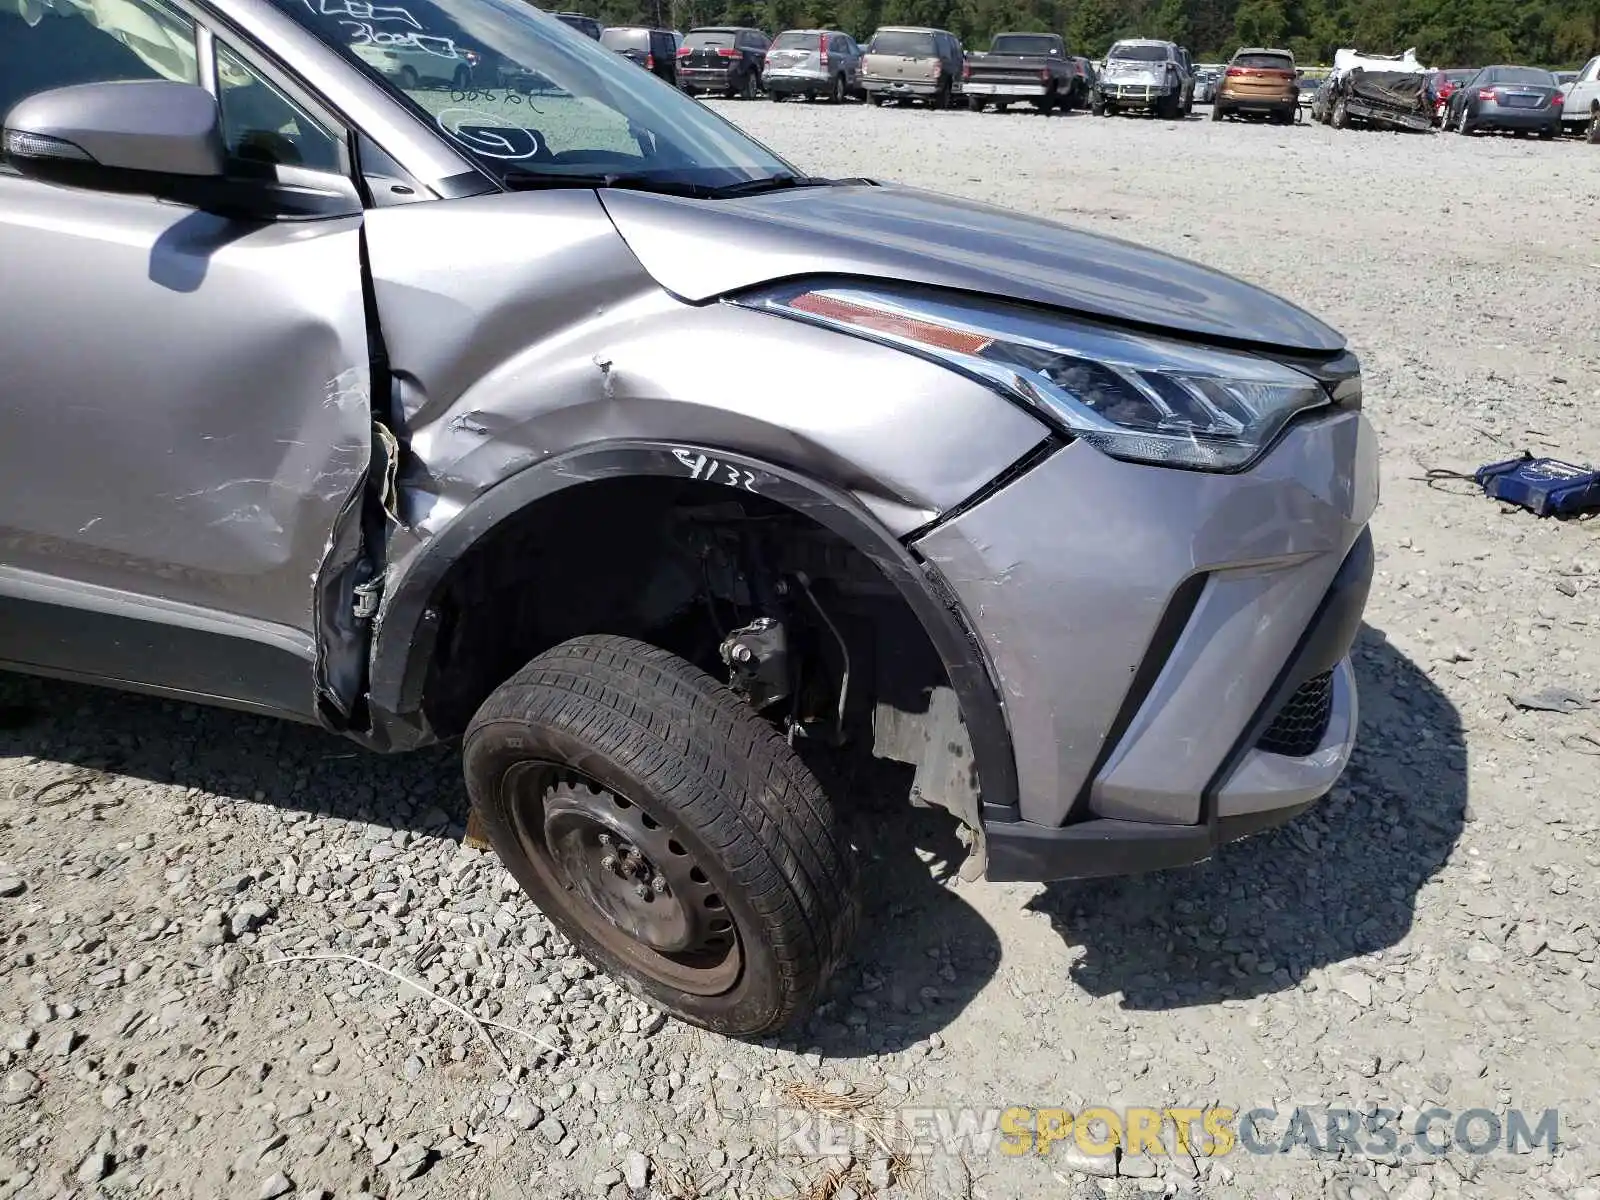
(1146,626)
(1136,93)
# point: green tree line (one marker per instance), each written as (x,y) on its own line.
(1444,32)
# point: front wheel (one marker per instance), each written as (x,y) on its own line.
(1218,112)
(1593,133)
(1341,114)
(837,94)
(666,830)
(974,104)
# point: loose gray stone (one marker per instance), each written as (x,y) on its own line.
(275,1185)
(636,1170)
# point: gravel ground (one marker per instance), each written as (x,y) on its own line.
(1426,937)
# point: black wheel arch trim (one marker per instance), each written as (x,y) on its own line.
(403,643)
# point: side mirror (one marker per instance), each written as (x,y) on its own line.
(144,137)
(161,139)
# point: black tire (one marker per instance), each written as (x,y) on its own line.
(1464,123)
(974,104)
(1340,117)
(663,744)
(774,96)
(747,89)
(462,81)
(837,93)
(408,78)
(875,99)
(1169,108)
(1593,132)
(1218,112)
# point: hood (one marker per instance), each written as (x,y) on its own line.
(703,249)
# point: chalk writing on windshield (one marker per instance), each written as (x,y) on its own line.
(488,135)
(366,19)
(481,132)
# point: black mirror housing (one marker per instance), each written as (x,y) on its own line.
(148,137)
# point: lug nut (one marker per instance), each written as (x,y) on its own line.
(659,884)
(605,839)
(741,653)
(608,863)
(642,892)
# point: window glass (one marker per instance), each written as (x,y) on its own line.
(261,124)
(908,45)
(48,44)
(530,99)
(620,38)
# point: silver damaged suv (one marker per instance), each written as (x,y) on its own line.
(500,401)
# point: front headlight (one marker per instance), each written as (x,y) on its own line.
(1135,397)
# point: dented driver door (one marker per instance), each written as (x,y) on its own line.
(186,432)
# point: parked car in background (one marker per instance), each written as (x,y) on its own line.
(1258,82)
(1382,91)
(585,25)
(1580,106)
(1512,99)
(652,49)
(722,58)
(910,63)
(1321,101)
(1083,77)
(1442,85)
(1148,75)
(1564,77)
(1031,67)
(812,63)
(447,65)
(1205,85)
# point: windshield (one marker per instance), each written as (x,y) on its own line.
(1128,53)
(530,99)
(907,45)
(1024,43)
(1528,75)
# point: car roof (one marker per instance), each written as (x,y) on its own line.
(640,28)
(907,29)
(724,29)
(1025,33)
(1142,42)
(1262,50)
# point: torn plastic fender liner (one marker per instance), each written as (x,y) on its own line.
(403,638)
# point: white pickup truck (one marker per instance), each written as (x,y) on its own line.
(1581,106)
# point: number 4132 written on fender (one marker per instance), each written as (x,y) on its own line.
(712,470)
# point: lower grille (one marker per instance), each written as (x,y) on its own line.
(1298,728)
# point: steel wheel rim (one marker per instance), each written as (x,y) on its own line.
(678,931)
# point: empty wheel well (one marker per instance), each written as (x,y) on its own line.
(684,565)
